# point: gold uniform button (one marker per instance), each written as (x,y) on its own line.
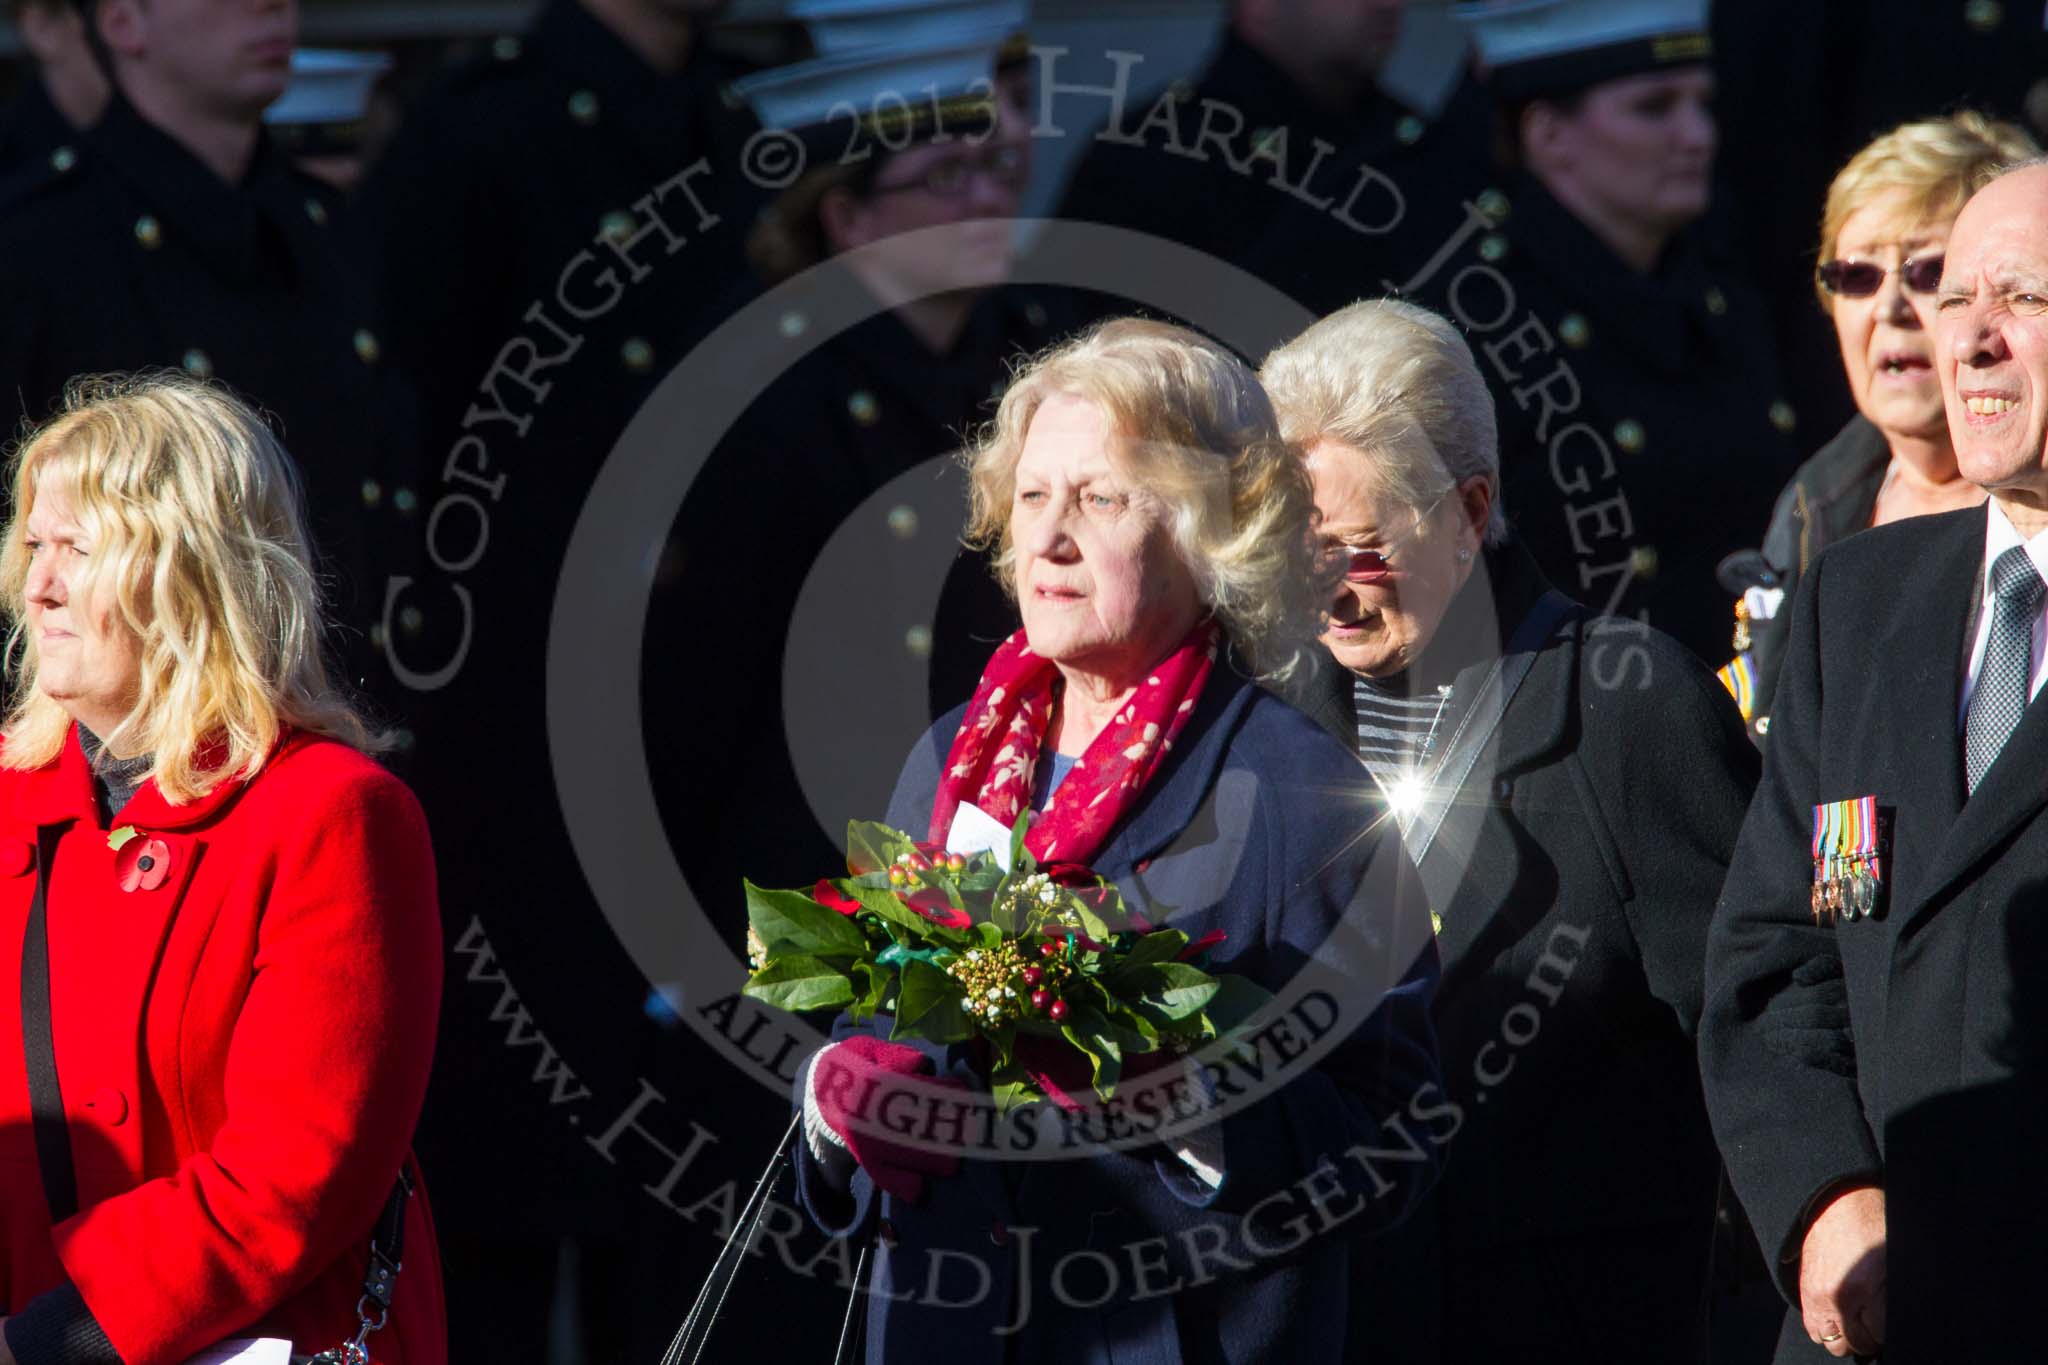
(149,232)
(317,211)
(637,355)
(1408,130)
(1983,16)
(1575,331)
(865,410)
(373,493)
(63,159)
(583,107)
(198,364)
(793,324)
(406,501)
(505,49)
(1629,434)
(1717,302)
(617,225)
(1783,417)
(1642,562)
(367,347)
(1493,248)
(1493,206)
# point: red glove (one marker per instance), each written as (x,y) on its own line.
(863,1089)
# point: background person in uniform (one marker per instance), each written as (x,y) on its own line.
(236,971)
(1156,531)
(1881,238)
(1872,1044)
(1572,872)
(205,252)
(843,419)
(1633,374)
(546,145)
(1286,155)
(66,92)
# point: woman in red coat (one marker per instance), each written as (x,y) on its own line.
(237,970)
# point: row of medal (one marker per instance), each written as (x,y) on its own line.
(1848,868)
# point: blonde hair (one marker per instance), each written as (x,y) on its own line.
(1937,163)
(1397,383)
(200,549)
(1197,431)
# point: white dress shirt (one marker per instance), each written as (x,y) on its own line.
(2001,535)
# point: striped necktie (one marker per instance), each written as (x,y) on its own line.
(2001,694)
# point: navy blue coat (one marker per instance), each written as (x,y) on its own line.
(1256,826)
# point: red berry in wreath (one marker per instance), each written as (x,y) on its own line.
(1032,976)
(1038,999)
(1047,949)
(1058,1011)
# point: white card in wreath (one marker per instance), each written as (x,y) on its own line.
(974,830)
(246,1351)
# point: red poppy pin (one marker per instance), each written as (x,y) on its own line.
(141,862)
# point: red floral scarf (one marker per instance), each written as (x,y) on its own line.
(1003,735)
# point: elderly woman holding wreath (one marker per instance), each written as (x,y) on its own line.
(220,911)
(1157,536)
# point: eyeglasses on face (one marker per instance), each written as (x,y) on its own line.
(1861,279)
(948,179)
(1364,564)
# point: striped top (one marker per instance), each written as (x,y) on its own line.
(1396,730)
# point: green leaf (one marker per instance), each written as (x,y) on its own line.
(1022,864)
(1161,945)
(1012,1088)
(800,983)
(1236,999)
(928,1006)
(1087,1029)
(916,927)
(873,984)
(989,935)
(790,921)
(119,835)
(1163,991)
(1092,924)
(871,847)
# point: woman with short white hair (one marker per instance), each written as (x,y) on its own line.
(1156,534)
(232,958)
(1570,788)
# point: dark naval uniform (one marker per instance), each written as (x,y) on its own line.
(831,509)
(1642,431)
(243,283)
(544,243)
(34,134)
(1239,164)
(556,171)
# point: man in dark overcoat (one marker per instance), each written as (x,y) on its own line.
(1873,1044)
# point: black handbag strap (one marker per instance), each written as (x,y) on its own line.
(45,1096)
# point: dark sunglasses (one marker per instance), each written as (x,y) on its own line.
(1861,279)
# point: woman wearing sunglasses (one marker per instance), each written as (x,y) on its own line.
(1882,234)
(1569,788)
